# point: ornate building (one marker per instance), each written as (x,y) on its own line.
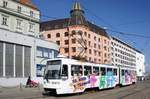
(78,37)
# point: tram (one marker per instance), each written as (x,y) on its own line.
(68,76)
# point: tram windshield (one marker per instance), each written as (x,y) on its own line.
(53,69)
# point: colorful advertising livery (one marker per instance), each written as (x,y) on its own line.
(67,76)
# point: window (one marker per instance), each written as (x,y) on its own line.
(27,61)
(74,41)
(5,20)
(76,70)
(9,60)
(96,70)
(18,61)
(90,51)
(19,24)
(49,36)
(99,46)
(66,50)
(45,53)
(19,9)
(115,72)
(5,4)
(105,55)
(31,13)
(56,26)
(89,43)
(105,48)
(99,39)
(105,60)
(95,60)
(99,53)
(31,27)
(95,52)
(122,72)
(53,71)
(66,42)
(73,49)
(103,71)
(57,34)
(105,41)
(80,32)
(90,59)
(39,52)
(89,36)
(66,34)
(109,72)
(95,38)
(73,32)
(1,59)
(94,45)
(64,71)
(87,70)
(58,42)
(51,53)
(99,60)
(85,33)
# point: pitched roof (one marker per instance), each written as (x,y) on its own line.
(63,23)
(27,3)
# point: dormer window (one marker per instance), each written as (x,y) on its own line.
(5,4)
(19,9)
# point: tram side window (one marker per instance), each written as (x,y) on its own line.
(122,72)
(126,72)
(76,70)
(129,72)
(87,70)
(96,70)
(103,71)
(64,71)
(115,72)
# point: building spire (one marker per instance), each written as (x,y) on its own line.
(77,15)
(76,10)
(76,6)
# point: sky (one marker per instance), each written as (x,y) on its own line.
(127,16)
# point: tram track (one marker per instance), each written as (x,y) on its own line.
(125,91)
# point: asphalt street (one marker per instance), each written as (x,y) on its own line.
(140,90)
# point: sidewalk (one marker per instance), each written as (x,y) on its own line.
(20,92)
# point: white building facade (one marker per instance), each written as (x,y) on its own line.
(19,16)
(122,54)
(140,64)
(19,27)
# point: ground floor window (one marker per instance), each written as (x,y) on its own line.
(1,59)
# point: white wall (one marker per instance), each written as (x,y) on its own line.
(16,38)
(121,50)
(140,66)
(24,16)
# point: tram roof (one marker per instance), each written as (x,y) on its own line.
(73,61)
